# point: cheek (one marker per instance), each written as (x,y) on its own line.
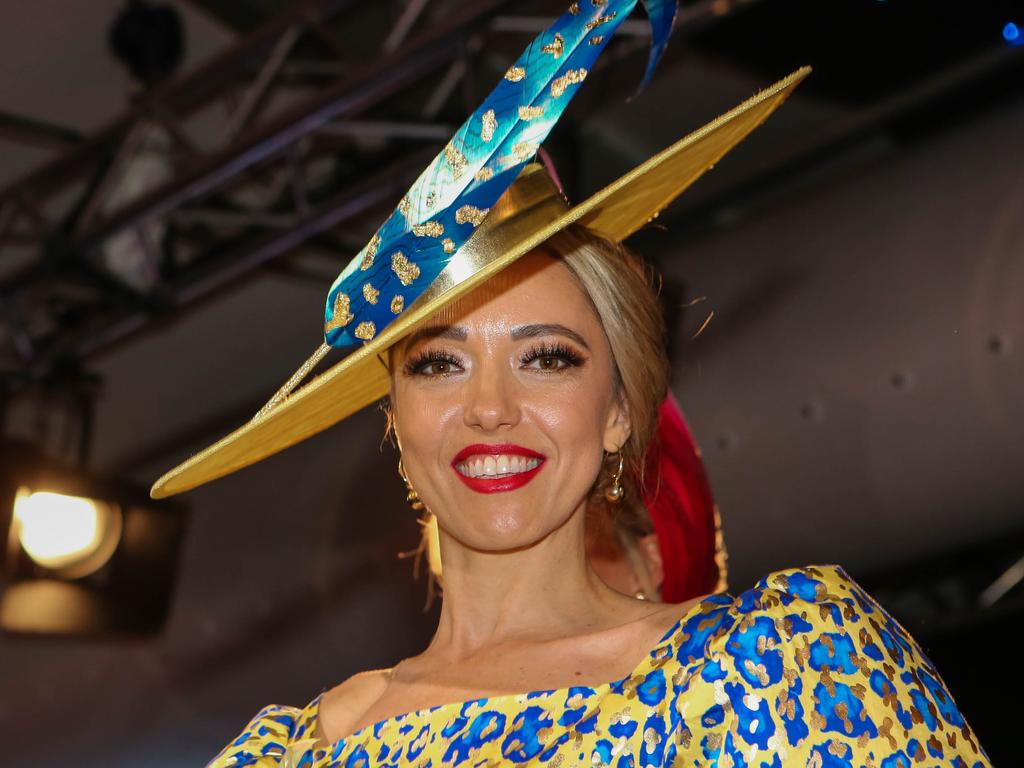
(422,419)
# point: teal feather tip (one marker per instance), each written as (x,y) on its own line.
(455,192)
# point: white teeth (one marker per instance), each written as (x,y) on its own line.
(496,466)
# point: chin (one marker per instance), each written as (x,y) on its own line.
(501,526)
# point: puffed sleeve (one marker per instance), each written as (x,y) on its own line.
(266,741)
(806,669)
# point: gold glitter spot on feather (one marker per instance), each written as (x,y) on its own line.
(370,293)
(431,199)
(397,304)
(555,47)
(428,229)
(471,214)
(574,8)
(365,331)
(572,77)
(529,113)
(404,205)
(596,40)
(488,124)
(593,24)
(484,174)
(515,74)
(371,252)
(524,150)
(403,268)
(342,315)
(599,3)
(448,245)
(456,160)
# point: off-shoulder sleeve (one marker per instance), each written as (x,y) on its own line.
(806,669)
(266,741)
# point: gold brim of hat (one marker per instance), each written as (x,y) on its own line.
(529,213)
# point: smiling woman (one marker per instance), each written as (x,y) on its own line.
(522,360)
(527,378)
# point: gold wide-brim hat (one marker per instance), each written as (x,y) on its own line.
(529,212)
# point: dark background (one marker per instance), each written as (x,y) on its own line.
(178,190)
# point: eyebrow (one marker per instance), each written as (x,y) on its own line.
(459,333)
(548,329)
(453,332)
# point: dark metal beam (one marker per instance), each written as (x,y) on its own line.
(366,88)
(26,130)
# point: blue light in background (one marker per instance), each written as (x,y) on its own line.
(1011,33)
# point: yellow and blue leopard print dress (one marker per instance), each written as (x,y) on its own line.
(804,669)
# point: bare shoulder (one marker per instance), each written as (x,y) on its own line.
(348,700)
(664,616)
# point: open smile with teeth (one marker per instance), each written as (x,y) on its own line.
(496,466)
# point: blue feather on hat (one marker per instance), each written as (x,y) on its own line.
(453,195)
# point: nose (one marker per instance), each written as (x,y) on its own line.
(491,398)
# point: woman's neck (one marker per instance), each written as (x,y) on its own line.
(536,593)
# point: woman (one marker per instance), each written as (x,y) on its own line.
(525,369)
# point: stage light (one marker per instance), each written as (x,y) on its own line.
(67,534)
(1011,33)
(84,556)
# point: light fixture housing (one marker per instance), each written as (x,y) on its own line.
(82,556)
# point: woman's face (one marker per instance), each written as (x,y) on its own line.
(504,405)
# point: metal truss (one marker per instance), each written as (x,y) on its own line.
(308,137)
(143,217)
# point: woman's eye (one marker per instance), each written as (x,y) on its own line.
(437,368)
(548,363)
(551,359)
(432,364)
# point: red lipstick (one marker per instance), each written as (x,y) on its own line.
(490,484)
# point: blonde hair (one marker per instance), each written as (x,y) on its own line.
(623,290)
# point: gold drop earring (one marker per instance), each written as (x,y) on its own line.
(615,493)
(411,497)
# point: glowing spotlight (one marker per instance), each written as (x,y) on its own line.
(1011,33)
(70,534)
(80,554)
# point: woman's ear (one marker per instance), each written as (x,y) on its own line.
(618,426)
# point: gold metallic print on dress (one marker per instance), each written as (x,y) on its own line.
(471,214)
(404,269)
(572,77)
(530,113)
(448,245)
(515,74)
(397,304)
(860,692)
(484,174)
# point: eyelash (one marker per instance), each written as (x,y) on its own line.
(570,356)
(418,364)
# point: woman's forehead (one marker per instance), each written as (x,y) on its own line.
(537,288)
